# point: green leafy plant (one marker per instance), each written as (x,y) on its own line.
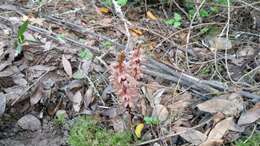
(253,141)
(151,120)
(110,4)
(85,54)
(205,11)
(175,21)
(20,36)
(88,132)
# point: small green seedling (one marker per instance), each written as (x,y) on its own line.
(85,54)
(79,74)
(88,132)
(202,13)
(20,37)
(175,21)
(151,120)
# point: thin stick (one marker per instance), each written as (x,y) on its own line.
(189,32)
(226,49)
(126,22)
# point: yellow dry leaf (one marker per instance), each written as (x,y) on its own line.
(136,32)
(104,10)
(138,130)
(151,16)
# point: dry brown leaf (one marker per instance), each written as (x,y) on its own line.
(180,103)
(67,66)
(143,107)
(221,128)
(151,16)
(9,71)
(250,116)
(74,85)
(88,97)
(36,97)
(156,97)
(2,103)
(212,143)
(216,134)
(219,43)
(20,81)
(160,112)
(86,66)
(230,106)
(246,51)
(76,100)
(13,93)
(193,136)
(218,117)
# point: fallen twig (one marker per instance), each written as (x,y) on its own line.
(81,30)
(156,68)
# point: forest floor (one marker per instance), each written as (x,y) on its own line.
(195,82)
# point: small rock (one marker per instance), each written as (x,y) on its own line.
(29,122)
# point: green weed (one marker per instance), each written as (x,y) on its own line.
(206,10)
(88,132)
(175,21)
(85,54)
(253,141)
(151,121)
(20,37)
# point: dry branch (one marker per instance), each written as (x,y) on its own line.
(156,68)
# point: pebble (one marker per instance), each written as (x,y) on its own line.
(29,122)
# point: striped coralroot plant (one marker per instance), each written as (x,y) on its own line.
(124,77)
